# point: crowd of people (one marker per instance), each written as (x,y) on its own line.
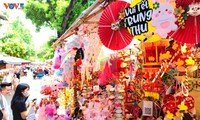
(22,108)
(22,105)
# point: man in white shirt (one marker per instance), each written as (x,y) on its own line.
(6,91)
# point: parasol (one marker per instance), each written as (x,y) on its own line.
(188,13)
(112,35)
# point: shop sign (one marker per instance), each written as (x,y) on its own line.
(137,18)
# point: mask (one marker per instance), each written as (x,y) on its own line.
(26,94)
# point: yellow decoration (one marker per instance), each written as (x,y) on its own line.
(165,56)
(123,64)
(179,62)
(178,114)
(66,98)
(182,106)
(151,58)
(184,48)
(175,46)
(178,11)
(169,115)
(190,61)
(152,94)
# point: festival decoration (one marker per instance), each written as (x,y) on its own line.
(137,17)
(57,58)
(182,107)
(111,32)
(188,15)
(163,18)
(142,9)
(154,50)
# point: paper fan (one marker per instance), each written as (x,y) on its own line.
(111,34)
(188,21)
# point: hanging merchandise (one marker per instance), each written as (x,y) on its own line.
(57,59)
(111,31)
(163,18)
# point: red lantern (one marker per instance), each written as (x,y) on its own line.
(179,99)
(171,107)
(168,98)
(189,102)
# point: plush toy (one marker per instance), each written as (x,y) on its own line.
(163,18)
(50,109)
(57,59)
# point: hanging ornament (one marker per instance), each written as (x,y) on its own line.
(182,107)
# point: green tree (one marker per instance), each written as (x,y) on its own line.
(14,48)
(21,31)
(57,14)
(45,52)
(18,41)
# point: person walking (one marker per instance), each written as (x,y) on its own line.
(5,91)
(18,102)
(2,107)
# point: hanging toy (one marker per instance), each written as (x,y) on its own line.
(57,59)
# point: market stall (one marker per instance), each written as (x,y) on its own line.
(123,60)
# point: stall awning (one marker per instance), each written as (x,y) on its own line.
(90,17)
(4,59)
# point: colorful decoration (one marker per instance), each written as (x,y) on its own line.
(163,18)
(146,32)
(190,61)
(57,58)
(137,18)
(182,107)
(165,56)
(188,21)
(169,115)
(111,32)
(179,62)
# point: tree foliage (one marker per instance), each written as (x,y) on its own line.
(46,52)
(57,14)
(21,31)
(13,49)
(18,41)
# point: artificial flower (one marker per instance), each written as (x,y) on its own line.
(178,114)
(169,115)
(156,5)
(179,62)
(165,56)
(175,46)
(182,107)
(184,48)
(190,61)
(179,11)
